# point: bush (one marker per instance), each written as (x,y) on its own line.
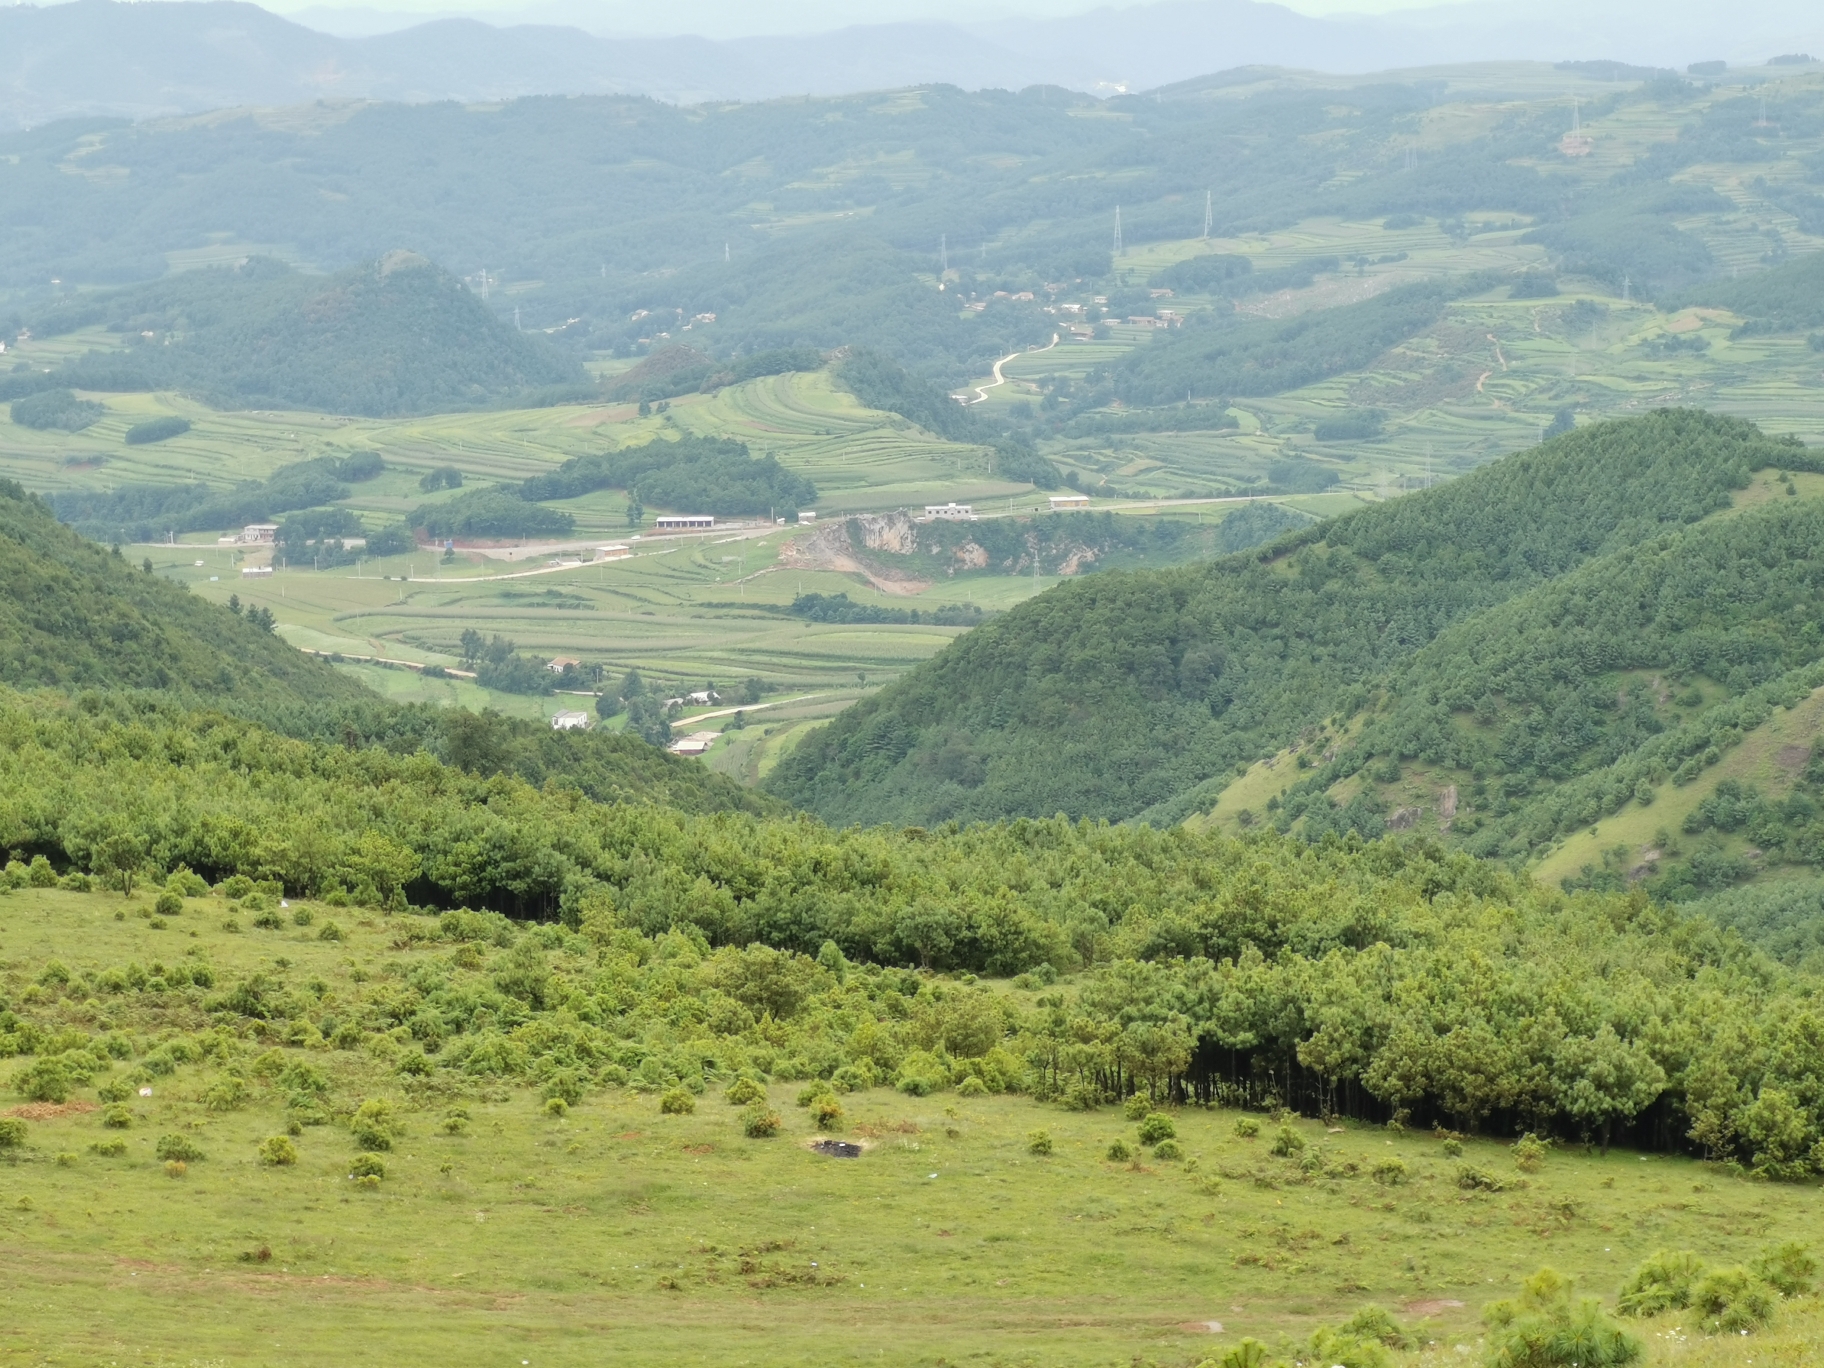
(1529,1153)
(178,1147)
(1288,1142)
(119,1116)
(1790,1268)
(1730,1301)
(1545,1328)
(826,1111)
(1119,1152)
(1246,1128)
(1250,1353)
(676,1102)
(302,916)
(556,1106)
(235,886)
(368,1166)
(971,1087)
(12,1133)
(157,430)
(1663,1282)
(373,1127)
(744,1092)
(47,1080)
(1156,1127)
(1136,1107)
(56,408)
(1375,1323)
(169,904)
(1389,1172)
(760,1122)
(1453,1148)
(1038,1142)
(1168,1149)
(111,1149)
(1344,1350)
(176,1168)
(1472,1179)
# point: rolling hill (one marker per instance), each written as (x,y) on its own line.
(395,336)
(1140,694)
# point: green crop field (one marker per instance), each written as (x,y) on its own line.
(617,1233)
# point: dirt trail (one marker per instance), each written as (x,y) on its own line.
(981,391)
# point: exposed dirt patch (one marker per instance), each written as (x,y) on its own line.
(1210,1327)
(1435,1306)
(1794,757)
(830,548)
(873,1131)
(50,1111)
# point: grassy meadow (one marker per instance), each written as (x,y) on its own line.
(617,1233)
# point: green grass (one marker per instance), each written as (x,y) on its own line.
(618,1234)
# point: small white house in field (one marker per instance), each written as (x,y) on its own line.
(697,743)
(950,512)
(559,664)
(703,697)
(570,721)
(1069,501)
(255,571)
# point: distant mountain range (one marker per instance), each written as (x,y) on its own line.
(100,57)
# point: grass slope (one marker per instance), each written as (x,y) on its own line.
(1142,693)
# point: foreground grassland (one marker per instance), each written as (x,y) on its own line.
(617,1233)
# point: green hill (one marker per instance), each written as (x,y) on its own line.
(390,337)
(1130,694)
(75,616)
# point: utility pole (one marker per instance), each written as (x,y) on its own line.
(1209,212)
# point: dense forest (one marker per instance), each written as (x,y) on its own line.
(393,336)
(1378,980)
(77,615)
(1139,693)
(696,474)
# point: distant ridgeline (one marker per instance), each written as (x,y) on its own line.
(672,371)
(1788,298)
(147,512)
(75,616)
(396,336)
(1129,694)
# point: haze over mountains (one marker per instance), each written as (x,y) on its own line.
(99,57)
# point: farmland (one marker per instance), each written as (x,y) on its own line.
(616,1230)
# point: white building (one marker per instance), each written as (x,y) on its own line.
(685,522)
(1069,501)
(953,512)
(255,571)
(570,721)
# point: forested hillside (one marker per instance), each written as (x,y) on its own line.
(1255,969)
(75,615)
(397,335)
(1140,693)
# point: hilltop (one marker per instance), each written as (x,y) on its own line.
(395,336)
(1140,693)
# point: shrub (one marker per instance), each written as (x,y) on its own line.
(176,1168)
(39,873)
(117,1116)
(46,1080)
(1375,1323)
(811,1091)
(1453,1148)
(368,1166)
(1472,1179)
(1288,1142)
(744,1092)
(1168,1149)
(971,1087)
(1246,1128)
(1663,1282)
(178,1147)
(1156,1127)
(278,1151)
(108,1148)
(556,1106)
(302,916)
(1389,1172)
(1344,1350)
(1729,1301)
(826,1111)
(235,886)
(676,1102)
(267,920)
(1136,1107)
(1250,1353)
(12,1133)
(169,904)
(1119,1152)
(1038,1142)
(1789,1269)
(1529,1153)
(373,1127)
(1545,1328)
(226,1093)
(331,932)
(760,1122)
(115,1090)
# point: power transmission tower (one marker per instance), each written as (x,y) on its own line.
(484,282)
(943,253)
(1209,212)
(1119,249)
